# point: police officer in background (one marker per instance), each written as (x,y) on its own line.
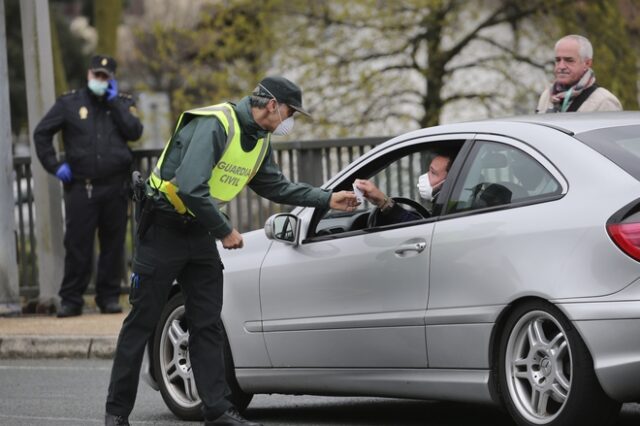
(213,154)
(96,123)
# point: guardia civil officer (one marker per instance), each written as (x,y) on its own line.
(213,154)
(96,123)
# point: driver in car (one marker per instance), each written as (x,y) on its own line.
(429,186)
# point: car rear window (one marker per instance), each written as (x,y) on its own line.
(619,144)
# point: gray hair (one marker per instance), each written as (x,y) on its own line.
(584,45)
(259,101)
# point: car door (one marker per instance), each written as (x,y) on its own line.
(351,297)
(487,246)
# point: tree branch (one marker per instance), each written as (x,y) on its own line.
(460,96)
(367,22)
(349,59)
(492,20)
(389,97)
(476,63)
(512,53)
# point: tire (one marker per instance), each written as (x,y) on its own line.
(172,366)
(545,371)
(238,397)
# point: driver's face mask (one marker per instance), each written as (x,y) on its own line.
(424,187)
(286,126)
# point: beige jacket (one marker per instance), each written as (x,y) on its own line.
(600,100)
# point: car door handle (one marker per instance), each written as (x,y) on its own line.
(417,247)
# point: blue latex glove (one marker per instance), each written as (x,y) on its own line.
(112,89)
(64,173)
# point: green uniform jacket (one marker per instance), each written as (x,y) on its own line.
(199,145)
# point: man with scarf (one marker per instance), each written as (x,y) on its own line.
(575,88)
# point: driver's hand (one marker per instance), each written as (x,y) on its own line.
(371,192)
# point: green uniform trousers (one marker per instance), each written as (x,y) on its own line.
(173,248)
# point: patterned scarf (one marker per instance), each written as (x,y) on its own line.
(561,95)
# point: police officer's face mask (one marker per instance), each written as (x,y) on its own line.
(98,87)
(286,126)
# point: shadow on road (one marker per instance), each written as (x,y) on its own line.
(380,412)
(388,412)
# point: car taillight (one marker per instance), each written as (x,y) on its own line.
(627,237)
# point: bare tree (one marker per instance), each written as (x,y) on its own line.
(380,66)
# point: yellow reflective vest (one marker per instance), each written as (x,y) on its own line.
(232,173)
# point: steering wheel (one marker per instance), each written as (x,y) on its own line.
(374,216)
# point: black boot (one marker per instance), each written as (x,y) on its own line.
(231,417)
(112,420)
(110,308)
(69,311)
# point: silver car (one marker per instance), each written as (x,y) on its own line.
(519,285)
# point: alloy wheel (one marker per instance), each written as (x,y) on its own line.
(174,360)
(539,367)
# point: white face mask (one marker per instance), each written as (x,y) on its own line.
(98,87)
(424,187)
(285,127)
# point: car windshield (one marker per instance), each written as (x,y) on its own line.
(619,144)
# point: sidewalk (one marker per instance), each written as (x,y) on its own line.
(91,335)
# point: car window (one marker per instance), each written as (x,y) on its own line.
(500,174)
(400,178)
(396,175)
(620,144)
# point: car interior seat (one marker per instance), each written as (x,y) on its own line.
(495,194)
(487,193)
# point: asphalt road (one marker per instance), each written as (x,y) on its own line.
(72,392)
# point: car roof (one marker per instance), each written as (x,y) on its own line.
(580,122)
(569,123)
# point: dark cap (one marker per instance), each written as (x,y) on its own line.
(105,64)
(283,90)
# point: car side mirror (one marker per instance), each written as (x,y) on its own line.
(283,227)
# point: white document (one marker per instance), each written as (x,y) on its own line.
(359,194)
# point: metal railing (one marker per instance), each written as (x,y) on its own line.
(313,162)
(25,229)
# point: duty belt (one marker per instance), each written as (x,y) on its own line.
(176,221)
(108,180)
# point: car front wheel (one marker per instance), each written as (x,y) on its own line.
(172,366)
(546,374)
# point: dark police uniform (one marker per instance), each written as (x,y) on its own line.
(184,247)
(95,134)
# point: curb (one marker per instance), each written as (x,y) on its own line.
(12,347)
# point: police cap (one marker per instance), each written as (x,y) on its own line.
(283,90)
(103,63)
